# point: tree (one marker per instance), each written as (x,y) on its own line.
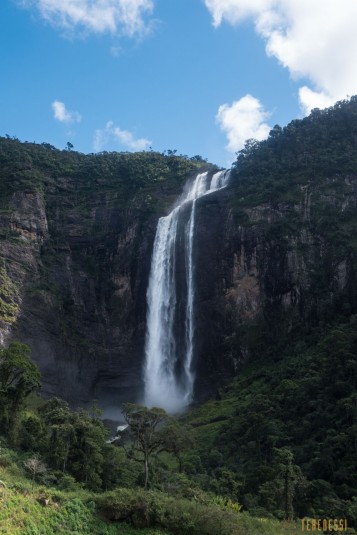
(19,376)
(278,494)
(36,467)
(86,453)
(32,433)
(75,441)
(60,434)
(144,428)
(177,439)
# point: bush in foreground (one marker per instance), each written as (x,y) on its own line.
(181,516)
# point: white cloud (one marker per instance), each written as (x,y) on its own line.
(63,115)
(242,120)
(315,39)
(313,99)
(123,137)
(98,16)
(234,10)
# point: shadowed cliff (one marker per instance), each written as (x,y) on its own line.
(274,253)
(77,234)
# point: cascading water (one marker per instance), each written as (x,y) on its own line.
(169,344)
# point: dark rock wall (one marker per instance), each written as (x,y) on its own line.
(75,265)
(265,280)
(76,236)
(83,306)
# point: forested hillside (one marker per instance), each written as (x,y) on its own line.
(272,429)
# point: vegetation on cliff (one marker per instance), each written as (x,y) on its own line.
(132,176)
(319,147)
(76,233)
(280,440)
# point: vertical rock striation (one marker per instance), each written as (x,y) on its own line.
(262,278)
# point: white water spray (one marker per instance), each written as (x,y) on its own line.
(168,374)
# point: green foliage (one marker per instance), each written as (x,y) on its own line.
(42,167)
(118,469)
(43,514)
(122,512)
(9,306)
(278,493)
(32,432)
(151,432)
(74,442)
(146,439)
(180,516)
(307,151)
(288,446)
(226,503)
(177,439)
(19,376)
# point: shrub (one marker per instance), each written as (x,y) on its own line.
(178,516)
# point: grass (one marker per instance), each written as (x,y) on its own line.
(24,511)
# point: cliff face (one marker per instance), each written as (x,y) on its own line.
(82,311)
(263,280)
(80,294)
(281,244)
(76,252)
(274,253)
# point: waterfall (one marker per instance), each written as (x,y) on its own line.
(169,344)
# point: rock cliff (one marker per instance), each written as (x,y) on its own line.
(263,281)
(274,253)
(75,251)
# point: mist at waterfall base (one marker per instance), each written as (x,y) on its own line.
(170,330)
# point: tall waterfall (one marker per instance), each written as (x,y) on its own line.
(170,334)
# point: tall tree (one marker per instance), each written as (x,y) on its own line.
(144,428)
(278,494)
(60,434)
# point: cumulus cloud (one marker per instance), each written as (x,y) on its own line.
(63,115)
(234,10)
(111,132)
(315,40)
(98,16)
(242,120)
(314,99)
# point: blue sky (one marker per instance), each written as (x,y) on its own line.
(198,76)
